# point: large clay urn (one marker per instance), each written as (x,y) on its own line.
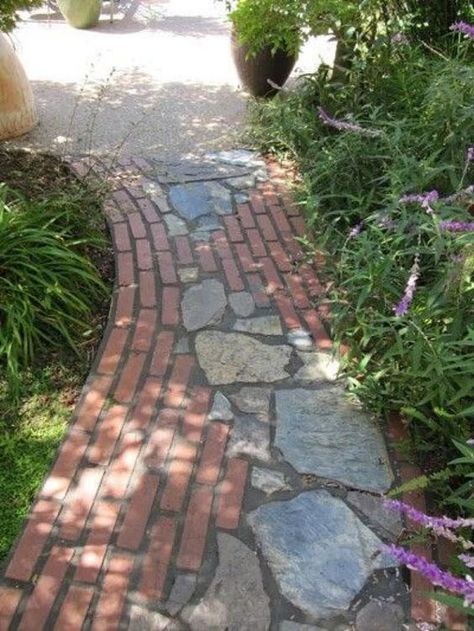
(17,106)
(81,13)
(255,71)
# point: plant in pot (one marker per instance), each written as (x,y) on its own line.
(81,13)
(266,38)
(17,107)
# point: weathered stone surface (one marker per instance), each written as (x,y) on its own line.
(176,226)
(253,400)
(235,600)
(181,592)
(143,620)
(378,615)
(250,437)
(388,521)
(301,339)
(317,367)
(241,198)
(265,325)
(209,223)
(182,347)
(235,357)
(237,157)
(321,432)
(188,274)
(203,304)
(288,625)
(221,409)
(319,552)
(194,199)
(242,303)
(268,481)
(244,181)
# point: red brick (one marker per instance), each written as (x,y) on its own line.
(289,315)
(114,592)
(272,277)
(131,373)
(298,293)
(280,220)
(233,228)
(109,431)
(112,352)
(157,558)
(33,539)
(245,216)
(136,225)
(280,257)
(144,258)
(299,225)
(126,275)
(422,608)
(266,228)
(74,609)
(9,599)
(232,275)
(256,200)
(92,556)
(124,201)
(183,251)
(138,512)
(79,503)
(160,240)
(145,329)
(256,243)
(46,589)
(258,290)
(315,288)
(178,382)
(69,457)
(162,203)
(291,207)
(231,494)
(112,212)
(222,245)
(193,540)
(206,257)
(320,336)
(146,405)
(213,453)
(120,471)
(196,413)
(93,402)
(245,257)
(121,237)
(148,210)
(167,268)
(161,355)
(125,306)
(170,306)
(268,194)
(179,474)
(147,289)
(160,440)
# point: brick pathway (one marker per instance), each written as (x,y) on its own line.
(143,481)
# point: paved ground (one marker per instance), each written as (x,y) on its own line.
(160,79)
(214,476)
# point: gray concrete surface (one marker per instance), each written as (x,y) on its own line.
(159,80)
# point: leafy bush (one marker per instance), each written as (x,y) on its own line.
(47,287)
(9,12)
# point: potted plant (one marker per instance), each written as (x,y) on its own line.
(266,38)
(17,107)
(81,13)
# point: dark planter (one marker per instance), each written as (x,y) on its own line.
(255,71)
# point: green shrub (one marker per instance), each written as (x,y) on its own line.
(9,12)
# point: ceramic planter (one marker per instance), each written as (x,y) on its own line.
(17,107)
(255,71)
(81,13)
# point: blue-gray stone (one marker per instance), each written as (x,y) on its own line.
(195,199)
(237,157)
(289,625)
(250,437)
(318,551)
(320,432)
(176,226)
(203,304)
(209,222)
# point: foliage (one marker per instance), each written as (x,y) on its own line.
(9,12)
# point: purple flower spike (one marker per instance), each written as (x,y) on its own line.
(427,520)
(402,307)
(425,199)
(356,230)
(432,572)
(463,27)
(344,125)
(457,226)
(470,154)
(467,559)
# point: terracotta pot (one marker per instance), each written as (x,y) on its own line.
(17,107)
(255,71)
(81,13)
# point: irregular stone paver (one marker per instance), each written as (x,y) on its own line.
(181,592)
(188,274)
(301,339)
(237,157)
(176,226)
(317,367)
(253,400)
(265,325)
(195,199)
(144,620)
(320,432)
(242,303)
(288,625)
(250,437)
(234,358)
(221,409)
(388,521)
(380,616)
(268,481)
(203,305)
(236,599)
(319,552)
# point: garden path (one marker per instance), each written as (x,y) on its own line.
(214,476)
